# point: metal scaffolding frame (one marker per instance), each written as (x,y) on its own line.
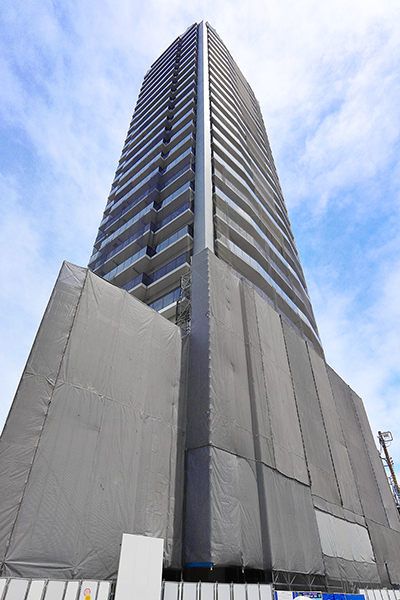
(184,304)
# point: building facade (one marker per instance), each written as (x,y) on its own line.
(235,443)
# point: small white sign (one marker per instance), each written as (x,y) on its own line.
(140,568)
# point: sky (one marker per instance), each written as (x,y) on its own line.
(327,76)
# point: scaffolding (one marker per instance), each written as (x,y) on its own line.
(184,304)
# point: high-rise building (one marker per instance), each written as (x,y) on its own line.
(234,441)
(196,172)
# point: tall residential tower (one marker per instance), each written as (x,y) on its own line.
(196,172)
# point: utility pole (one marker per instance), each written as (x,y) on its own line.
(385,440)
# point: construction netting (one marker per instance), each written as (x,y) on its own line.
(239,445)
(282,468)
(93,443)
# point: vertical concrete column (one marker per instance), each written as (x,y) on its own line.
(203,207)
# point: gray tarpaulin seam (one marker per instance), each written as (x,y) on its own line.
(323,422)
(295,402)
(345,443)
(48,405)
(133,408)
(353,516)
(262,501)
(369,455)
(248,459)
(127,406)
(211,445)
(367,519)
(267,403)
(291,452)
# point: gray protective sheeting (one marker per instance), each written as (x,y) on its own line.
(90,448)
(366,483)
(252,426)
(347,548)
(267,442)
(114,410)
(316,445)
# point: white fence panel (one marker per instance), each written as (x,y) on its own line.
(266,592)
(2,586)
(223,591)
(206,591)
(36,589)
(171,590)
(17,589)
(72,590)
(189,591)
(253,591)
(239,591)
